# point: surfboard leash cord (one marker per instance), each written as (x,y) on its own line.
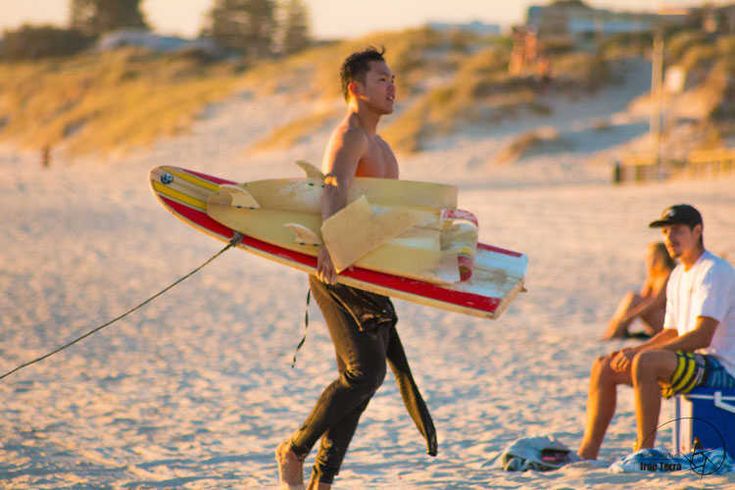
(234,241)
(306,326)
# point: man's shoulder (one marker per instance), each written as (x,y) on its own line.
(348,134)
(382,140)
(717,268)
(715,261)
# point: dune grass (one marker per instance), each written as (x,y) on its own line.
(680,42)
(315,72)
(115,100)
(415,55)
(714,61)
(529,143)
(100,102)
(450,80)
(481,92)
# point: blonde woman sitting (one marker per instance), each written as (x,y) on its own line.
(650,304)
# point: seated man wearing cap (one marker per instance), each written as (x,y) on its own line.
(695,348)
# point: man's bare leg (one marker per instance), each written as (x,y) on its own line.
(648,368)
(290,467)
(600,405)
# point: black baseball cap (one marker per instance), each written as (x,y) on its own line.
(678,214)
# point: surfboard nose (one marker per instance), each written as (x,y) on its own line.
(162,175)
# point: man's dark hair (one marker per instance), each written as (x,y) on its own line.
(356,66)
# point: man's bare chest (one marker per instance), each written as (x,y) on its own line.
(378,161)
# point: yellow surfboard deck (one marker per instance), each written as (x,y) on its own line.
(400,229)
(416,254)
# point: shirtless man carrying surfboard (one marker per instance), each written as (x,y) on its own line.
(361,324)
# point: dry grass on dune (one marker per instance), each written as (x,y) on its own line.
(529,143)
(105,101)
(415,55)
(481,92)
(580,72)
(710,68)
(115,100)
(125,98)
(314,72)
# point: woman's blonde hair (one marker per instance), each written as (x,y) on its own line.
(660,249)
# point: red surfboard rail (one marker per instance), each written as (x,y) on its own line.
(411,286)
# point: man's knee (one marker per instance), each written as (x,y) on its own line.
(658,365)
(602,370)
(652,364)
(365,378)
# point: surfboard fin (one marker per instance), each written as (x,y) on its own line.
(235,196)
(357,229)
(311,171)
(303,235)
(446,271)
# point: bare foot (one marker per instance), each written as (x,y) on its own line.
(290,468)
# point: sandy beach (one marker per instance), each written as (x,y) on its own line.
(196,390)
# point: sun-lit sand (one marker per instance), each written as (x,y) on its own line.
(196,390)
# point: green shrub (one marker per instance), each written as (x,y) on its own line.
(626,44)
(582,70)
(699,56)
(557,46)
(99,102)
(35,42)
(681,42)
(486,61)
(726,47)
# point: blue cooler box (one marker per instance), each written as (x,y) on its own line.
(707,414)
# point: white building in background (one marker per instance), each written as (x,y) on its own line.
(475,27)
(575,19)
(155,42)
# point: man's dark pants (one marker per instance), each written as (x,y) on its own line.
(361,325)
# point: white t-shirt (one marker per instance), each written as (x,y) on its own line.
(707,289)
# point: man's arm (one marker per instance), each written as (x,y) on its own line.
(664,336)
(340,168)
(623,358)
(698,338)
(669,339)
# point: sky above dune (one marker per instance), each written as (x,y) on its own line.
(330,18)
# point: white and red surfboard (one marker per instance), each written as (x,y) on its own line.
(498,274)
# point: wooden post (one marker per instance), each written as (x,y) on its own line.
(617,172)
(657,65)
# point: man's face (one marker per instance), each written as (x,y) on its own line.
(379,89)
(680,239)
